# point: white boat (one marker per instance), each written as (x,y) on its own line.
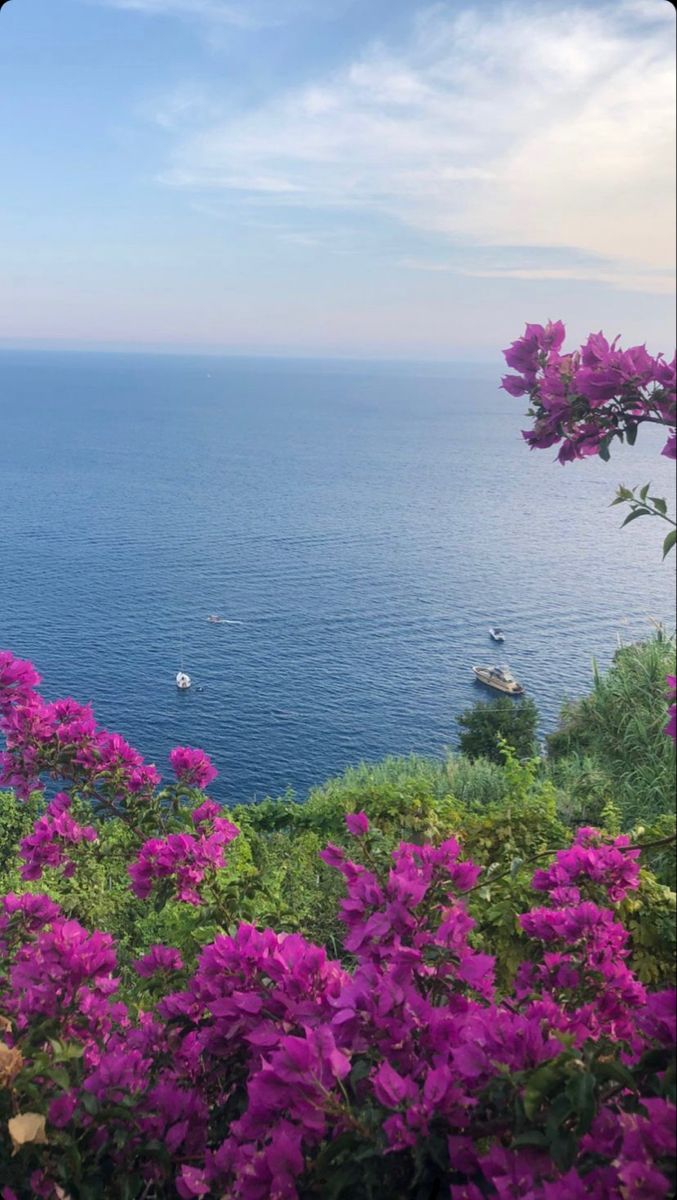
(215,619)
(183,681)
(496,633)
(500,678)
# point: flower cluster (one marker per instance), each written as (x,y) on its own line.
(183,857)
(269,1070)
(242,1082)
(613,866)
(52,833)
(193,768)
(18,679)
(62,739)
(585,399)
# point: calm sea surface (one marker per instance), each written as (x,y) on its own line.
(359,527)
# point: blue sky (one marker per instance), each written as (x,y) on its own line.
(344,177)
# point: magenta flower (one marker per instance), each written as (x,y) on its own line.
(159,958)
(193,768)
(271,1062)
(390,1088)
(117,1074)
(205,812)
(586,399)
(357,823)
(61,1109)
(52,834)
(191,1182)
(18,679)
(183,857)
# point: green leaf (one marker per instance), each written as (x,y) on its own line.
(622,495)
(561,1108)
(631,434)
(636,512)
(60,1075)
(89,1103)
(617,1072)
(563,1150)
(659,504)
(360,1070)
(533,1138)
(582,1091)
(539,1085)
(669,542)
(644,492)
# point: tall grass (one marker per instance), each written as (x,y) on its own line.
(618,727)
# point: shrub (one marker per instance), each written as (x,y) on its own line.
(488,722)
(230,1060)
(620,727)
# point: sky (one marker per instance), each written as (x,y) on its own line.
(353,178)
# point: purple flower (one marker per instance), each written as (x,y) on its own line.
(191,1182)
(117,1074)
(193,768)
(159,958)
(205,812)
(52,834)
(183,857)
(357,824)
(514,385)
(390,1088)
(61,1109)
(18,679)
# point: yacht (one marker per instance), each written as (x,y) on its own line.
(496,633)
(214,619)
(183,681)
(500,678)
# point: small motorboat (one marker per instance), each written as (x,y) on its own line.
(500,678)
(183,681)
(215,619)
(496,633)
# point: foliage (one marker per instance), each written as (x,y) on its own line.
(486,723)
(641,504)
(270,1071)
(466,1042)
(619,727)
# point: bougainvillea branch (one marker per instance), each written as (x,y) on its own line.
(584,400)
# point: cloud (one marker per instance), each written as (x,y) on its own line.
(244,14)
(548,126)
(211,10)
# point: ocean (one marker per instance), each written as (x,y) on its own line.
(358,526)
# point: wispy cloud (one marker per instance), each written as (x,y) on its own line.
(525,125)
(212,10)
(245,14)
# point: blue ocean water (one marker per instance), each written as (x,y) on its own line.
(358,525)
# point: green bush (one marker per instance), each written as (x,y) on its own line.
(507,814)
(488,722)
(619,726)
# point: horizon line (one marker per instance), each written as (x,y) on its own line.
(166,350)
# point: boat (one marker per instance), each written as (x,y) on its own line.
(183,681)
(496,633)
(215,619)
(500,678)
